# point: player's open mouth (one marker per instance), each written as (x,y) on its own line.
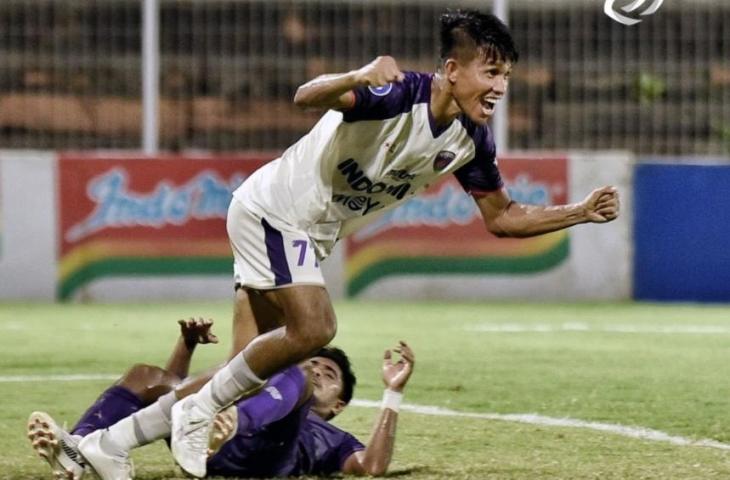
(488,105)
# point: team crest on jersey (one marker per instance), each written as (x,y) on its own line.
(443,160)
(381,91)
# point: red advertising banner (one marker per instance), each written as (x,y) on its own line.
(442,232)
(145,216)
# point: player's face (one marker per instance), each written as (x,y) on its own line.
(326,386)
(478,85)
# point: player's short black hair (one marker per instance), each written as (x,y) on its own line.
(348,376)
(463,30)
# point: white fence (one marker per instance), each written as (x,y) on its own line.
(71,71)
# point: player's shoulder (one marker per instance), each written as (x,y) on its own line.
(393,99)
(481,134)
(415,87)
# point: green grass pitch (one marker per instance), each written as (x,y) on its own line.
(664,367)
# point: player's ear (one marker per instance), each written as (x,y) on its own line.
(450,70)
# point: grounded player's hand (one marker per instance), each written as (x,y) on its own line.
(602,205)
(396,375)
(379,72)
(195,331)
(224,427)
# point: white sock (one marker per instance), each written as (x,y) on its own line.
(227,385)
(142,427)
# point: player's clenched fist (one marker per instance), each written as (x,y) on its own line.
(381,71)
(602,205)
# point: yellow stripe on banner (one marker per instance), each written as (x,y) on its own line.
(380,251)
(92,252)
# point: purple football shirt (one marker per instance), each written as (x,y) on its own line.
(478,176)
(275,438)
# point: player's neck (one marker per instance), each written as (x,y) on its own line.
(443,107)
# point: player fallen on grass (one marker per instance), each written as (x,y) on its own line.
(283,430)
(386,136)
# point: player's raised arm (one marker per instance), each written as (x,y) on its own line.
(334,91)
(374,460)
(192,332)
(507,218)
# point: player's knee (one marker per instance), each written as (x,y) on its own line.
(143,370)
(314,333)
(138,377)
(142,375)
(322,336)
(328,331)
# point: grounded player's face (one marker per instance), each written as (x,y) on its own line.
(478,85)
(326,386)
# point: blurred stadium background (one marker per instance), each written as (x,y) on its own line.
(71,71)
(651,101)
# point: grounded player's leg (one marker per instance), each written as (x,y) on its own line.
(58,447)
(141,385)
(309,323)
(107,449)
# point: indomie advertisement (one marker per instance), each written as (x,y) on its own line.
(442,232)
(145,216)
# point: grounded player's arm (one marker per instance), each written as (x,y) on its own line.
(192,332)
(507,218)
(334,91)
(374,460)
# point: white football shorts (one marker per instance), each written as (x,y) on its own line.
(266,256)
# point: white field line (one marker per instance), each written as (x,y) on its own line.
(584,327)
(535,419)
(528,418)
(58,378)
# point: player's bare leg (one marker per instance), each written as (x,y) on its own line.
(308,323)
(254,312)
(58,447)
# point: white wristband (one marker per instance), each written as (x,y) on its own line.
(392,399)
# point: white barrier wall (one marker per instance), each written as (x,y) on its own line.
(34,265)
(28,229)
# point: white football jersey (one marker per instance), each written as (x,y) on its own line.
(356,163)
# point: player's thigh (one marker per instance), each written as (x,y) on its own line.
(306,310)
(253,314)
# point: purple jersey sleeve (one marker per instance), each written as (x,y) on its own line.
(279,398)
(481,174)
(388,101)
